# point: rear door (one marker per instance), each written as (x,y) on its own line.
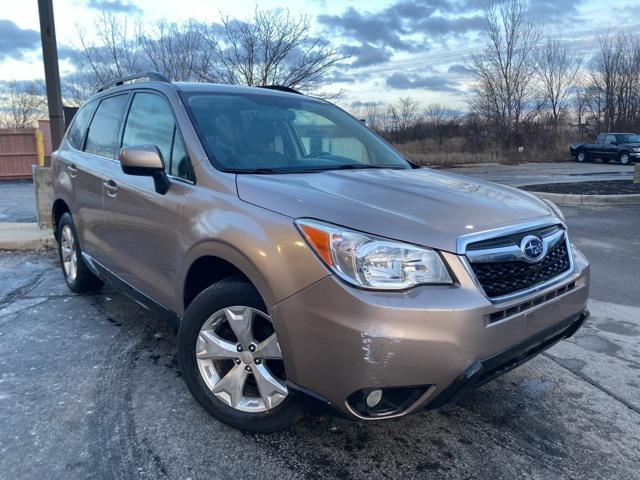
(143,226)
(99,146)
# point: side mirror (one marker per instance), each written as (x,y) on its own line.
(145,160)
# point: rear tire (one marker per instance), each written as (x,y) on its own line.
(582,156)
(240,409)
(76,273)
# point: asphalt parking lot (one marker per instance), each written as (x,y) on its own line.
(89,388)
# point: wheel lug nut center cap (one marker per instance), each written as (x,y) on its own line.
(246,357)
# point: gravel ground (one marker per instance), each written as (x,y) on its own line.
(612,187)
(89,388)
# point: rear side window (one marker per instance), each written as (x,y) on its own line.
(75,136)
(103,132)
(150,121)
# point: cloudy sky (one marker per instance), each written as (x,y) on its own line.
(404,47)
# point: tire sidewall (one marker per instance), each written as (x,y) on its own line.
(67,219)
(622,155)
(224,294)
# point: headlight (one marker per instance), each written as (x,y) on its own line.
(555,209)
(370,262)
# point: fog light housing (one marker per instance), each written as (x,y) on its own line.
(385,402)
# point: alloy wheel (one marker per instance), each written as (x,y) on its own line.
(624,159)
(68,253)
(240,360)
(581,157)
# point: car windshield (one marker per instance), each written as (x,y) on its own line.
(629,138)
(267,133)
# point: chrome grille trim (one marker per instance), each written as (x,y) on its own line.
(555,237)
(513,252)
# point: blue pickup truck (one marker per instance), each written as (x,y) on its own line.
(623,147)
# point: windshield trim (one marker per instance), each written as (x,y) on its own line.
(220,167)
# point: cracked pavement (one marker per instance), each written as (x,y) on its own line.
(89,388)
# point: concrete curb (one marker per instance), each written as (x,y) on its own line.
(571,200)
(25,236)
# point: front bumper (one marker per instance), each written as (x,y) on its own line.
(338,340)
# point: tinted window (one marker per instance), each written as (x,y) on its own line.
(281,134)
(75,136)
(630,138)
(103,132)
(610,140)
(180,165)
(150,122)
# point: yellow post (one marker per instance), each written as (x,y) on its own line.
(40,147)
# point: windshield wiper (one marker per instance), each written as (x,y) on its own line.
(348,166)
(262,170)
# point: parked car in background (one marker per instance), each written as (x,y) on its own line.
(623,147)
(301,257)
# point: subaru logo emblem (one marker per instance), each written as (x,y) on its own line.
(532,247)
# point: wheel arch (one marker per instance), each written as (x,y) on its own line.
(212,261)
(58,209)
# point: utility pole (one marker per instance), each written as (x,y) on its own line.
(51,72)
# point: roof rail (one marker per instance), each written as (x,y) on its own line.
(281,88)
(120,81)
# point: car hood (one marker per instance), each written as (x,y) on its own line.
(420,206)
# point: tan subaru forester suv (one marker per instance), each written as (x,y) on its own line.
(303,259)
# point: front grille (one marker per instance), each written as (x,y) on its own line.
(503,278)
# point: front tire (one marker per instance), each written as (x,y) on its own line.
(76,273)
(231,361)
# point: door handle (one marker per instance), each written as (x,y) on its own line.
(111,187)
(73,170)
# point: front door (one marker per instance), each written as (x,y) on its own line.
(143,226)
(610,147)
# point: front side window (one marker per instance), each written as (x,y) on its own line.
(104,128)
(75,136)
(268,133)
(150,121)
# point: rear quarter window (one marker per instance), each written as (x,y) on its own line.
(78,128)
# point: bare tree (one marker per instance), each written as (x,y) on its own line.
(183,52)
(613,90)
(402,116)
(115,52)
(440,120)
(504,69)
(372,114)
(23,102)
(558,68)
(273,48)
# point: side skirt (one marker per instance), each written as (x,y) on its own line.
(130,291)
